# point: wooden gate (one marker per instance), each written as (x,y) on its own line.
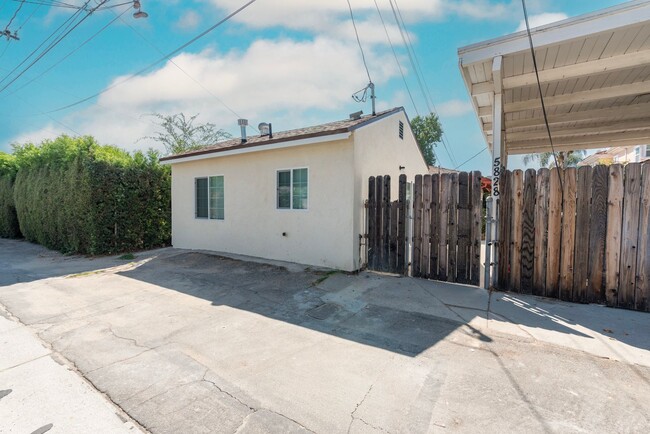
(441,240)
(581,236)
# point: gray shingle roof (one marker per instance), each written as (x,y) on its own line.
(329,128)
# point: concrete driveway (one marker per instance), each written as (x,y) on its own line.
(191,342)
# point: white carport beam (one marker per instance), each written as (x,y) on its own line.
(580,142)
(627,112)
(641,124)
(609,64)
(581,97)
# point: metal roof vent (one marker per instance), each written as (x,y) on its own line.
(356,115)
(264,129)
(243,123)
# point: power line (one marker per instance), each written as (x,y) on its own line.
(359,42)
(541,95)
(165,57)
(20,6)
(399,66)
(471,158)
(185,72)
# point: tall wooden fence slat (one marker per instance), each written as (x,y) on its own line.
(642,293)
(445,195)
(476,208)
(629,235)
(597,234)
(517,229)
(417,226)
(554,241)
(426,228)
(462,255)
(392,265)
(453,229)
(401,228)
(372,231)
(434,226)
(528,233)
(541,226)
(379,194)
(581,247)
(568,234)
(504,231)
(613,238)
(385,208)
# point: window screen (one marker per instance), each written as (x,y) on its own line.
(216,198)
(293,189)
(300,189)
(284,189)
(201,194)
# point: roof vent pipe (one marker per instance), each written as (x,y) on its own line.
(264,129)
(243,123)
(270,130)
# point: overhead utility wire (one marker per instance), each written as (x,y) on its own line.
(20,6)
(444,139)
(359,42)
(71,52)
(470,158)
(50,47)
(399,66)
(541,96)
(165,57)
(185,72)
(67,22)
(401,27)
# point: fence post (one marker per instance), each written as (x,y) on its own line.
(489,276)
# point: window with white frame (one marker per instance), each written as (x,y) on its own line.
(647,151)
(292,188)
(209,197)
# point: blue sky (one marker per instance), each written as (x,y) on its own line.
(290,62)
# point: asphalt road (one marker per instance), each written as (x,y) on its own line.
(192,342)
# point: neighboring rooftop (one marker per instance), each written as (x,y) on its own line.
(330,128)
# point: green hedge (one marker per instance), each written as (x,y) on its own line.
(76,196)
(8,219)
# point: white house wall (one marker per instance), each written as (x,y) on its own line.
(323,235)
(378,150)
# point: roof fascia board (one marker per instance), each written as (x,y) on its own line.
(277,145)
(624,15)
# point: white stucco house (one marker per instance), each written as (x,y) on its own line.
(294,195)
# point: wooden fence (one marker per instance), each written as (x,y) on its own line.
(445,243)
(582,236)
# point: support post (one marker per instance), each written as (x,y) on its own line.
(489,203)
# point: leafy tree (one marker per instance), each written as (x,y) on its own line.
(564,159)
(428,132)
(180,134)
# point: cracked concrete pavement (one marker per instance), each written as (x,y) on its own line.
(193,342)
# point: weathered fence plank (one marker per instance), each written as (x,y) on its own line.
(528,233)
(435,226)
(580,256)
(613,238)
(476,203)
(517,229)
(426,227)
(417,226)
(372,231)
(642,293)
(392,266)
(445,195)
(401,226)
(597,233)
(453,228)
(541,226)
(568,234)
(554,240)
(385,208)
(504,231)
(462,255)
(629,235)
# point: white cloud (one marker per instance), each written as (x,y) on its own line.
(190,20)
(277,81)
(454,107)
(542,19)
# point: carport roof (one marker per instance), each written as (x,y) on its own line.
(595,77)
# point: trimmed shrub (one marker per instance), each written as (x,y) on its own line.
(9,227)
(73,195)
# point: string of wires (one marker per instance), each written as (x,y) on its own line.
(156,62)
(418,73)
(356,32)
(541,96)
